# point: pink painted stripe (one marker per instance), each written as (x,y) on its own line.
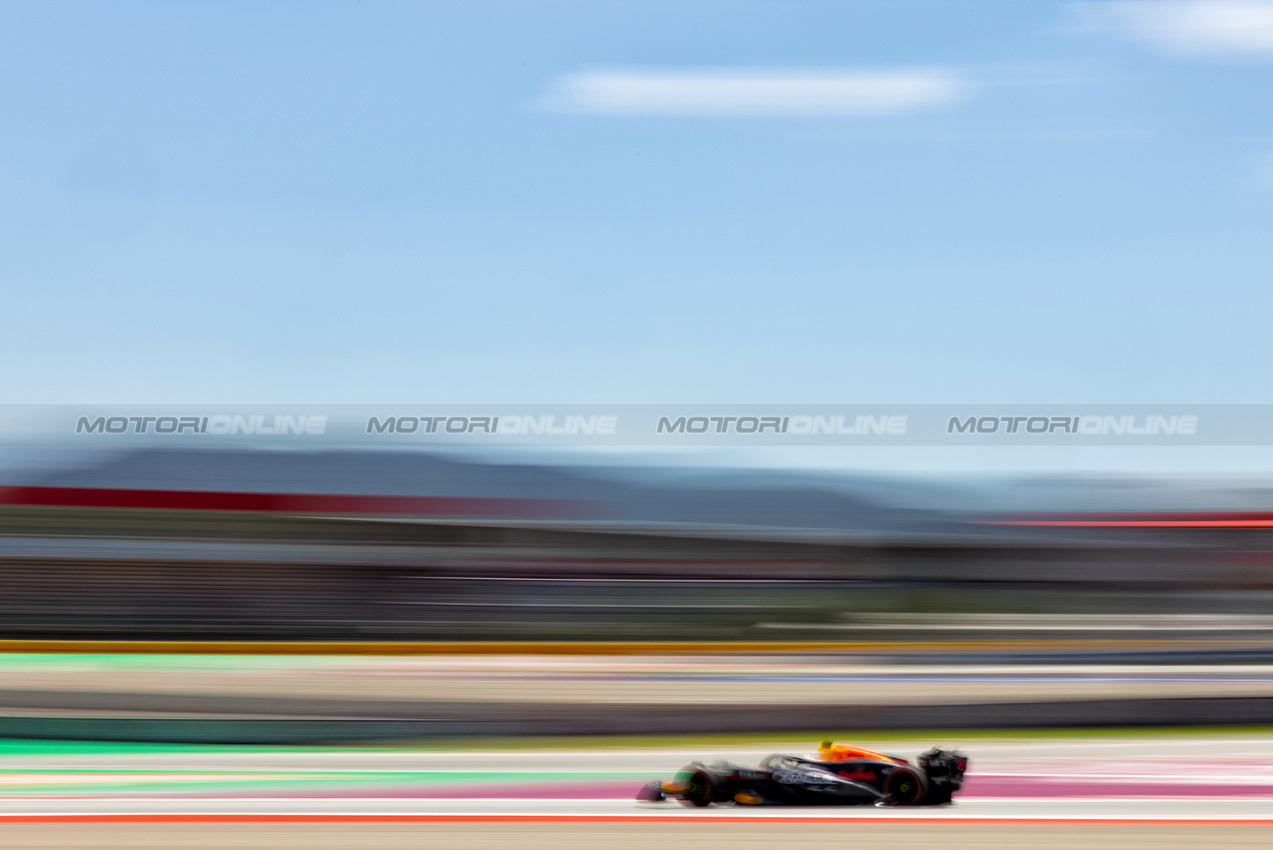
(623,789)
(607,789)
(1051,786)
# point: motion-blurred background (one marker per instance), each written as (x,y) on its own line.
(953,603)
(691,203)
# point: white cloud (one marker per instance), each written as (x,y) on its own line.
(1191,27)
(754,92)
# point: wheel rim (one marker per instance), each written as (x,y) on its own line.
(698,788)
(904,788)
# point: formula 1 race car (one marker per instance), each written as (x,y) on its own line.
(838,775)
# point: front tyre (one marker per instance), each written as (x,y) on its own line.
(700,788)
(904,787)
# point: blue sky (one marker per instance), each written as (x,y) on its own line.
(696,202)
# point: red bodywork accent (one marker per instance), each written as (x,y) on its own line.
(843,752)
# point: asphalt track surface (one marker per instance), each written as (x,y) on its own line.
(1212,790)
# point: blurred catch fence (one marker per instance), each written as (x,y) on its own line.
(144,573)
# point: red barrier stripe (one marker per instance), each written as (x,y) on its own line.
(1214,523)
(1138,519)
(680,818)
(316,503)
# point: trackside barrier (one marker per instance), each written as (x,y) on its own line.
(119,647)
(439,721)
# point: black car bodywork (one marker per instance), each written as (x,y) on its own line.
(840,776)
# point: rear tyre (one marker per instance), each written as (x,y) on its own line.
(700,788)
(904,787)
